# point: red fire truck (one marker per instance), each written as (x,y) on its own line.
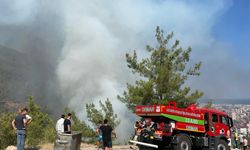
(168,126)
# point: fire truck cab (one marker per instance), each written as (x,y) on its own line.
(191,128)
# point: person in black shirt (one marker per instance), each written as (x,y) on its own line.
(67,124)
(19,125)
(107,130)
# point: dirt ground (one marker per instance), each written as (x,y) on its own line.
(83,147)
(93,147)
(89,147)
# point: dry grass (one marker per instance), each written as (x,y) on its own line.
(47,147)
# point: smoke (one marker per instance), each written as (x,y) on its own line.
(98,34)
(34,30)
(76,49)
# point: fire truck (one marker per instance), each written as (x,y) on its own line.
(190,128)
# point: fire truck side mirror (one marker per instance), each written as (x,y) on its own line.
(231,122)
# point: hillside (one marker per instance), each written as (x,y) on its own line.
(12,63)
(15,82)
(24,74)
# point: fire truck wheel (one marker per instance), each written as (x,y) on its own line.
(183,144)
(222,145)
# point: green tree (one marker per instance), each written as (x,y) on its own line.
(209,104)
(163,74)
(7,134)
(106,111)
(42,127)
(41,130)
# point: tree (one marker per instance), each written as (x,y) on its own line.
(163,74)
(106,111)
(209,104)
(94,116)
(42,128)
(7,134)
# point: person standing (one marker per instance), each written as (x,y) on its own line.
(245,143)
(136,128)
(27,117)
(19,125)
(99,133)
(67,124)
(60,124)
(241,141)
(107,130)
(236,139)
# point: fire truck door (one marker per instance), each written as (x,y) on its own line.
(206,119)
(212,120)
(224,125)
(215,124)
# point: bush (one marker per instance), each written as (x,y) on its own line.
(42,127)
(7,134)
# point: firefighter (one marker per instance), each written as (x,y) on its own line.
(236,139)
(137,128)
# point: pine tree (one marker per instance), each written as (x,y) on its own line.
(163,74)
(42,127)
(7,134)
(106,111)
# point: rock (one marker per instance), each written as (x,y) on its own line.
(11,148)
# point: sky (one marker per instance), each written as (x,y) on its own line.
(231,31)
(233,28)
(79,46)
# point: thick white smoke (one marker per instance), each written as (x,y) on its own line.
(99,33)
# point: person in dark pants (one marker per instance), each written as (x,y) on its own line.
(107,130)
(67,124)
(99,137)
(19,125)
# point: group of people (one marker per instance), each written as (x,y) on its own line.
(104,130)
(151,126)
(19,124)
(63,125)
(240,141)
